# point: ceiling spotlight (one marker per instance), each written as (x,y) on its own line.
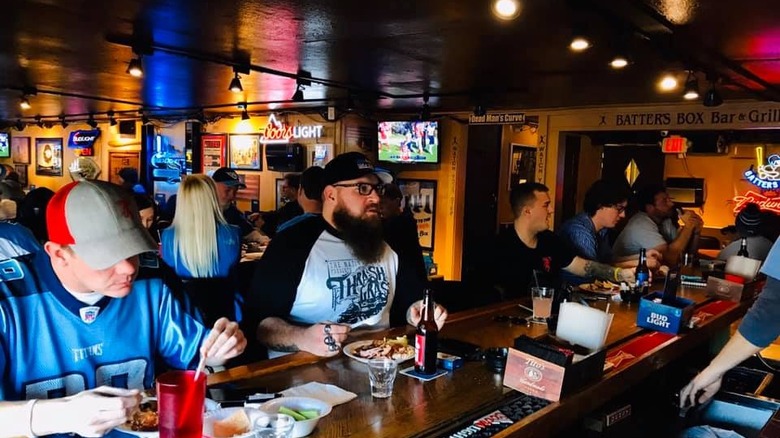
(245,115)
(298,95)
(135,67)
(579,43)
(19,125)
(24,103)
(235,84)
(111,119)
(712,97)
(691,87)
(62,121)
(39,121)
(506,9)
(480,111)
(144,118)
(48,125)
(667,83)
(618,62)
(200,116)
(91,121)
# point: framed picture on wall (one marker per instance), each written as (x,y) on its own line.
(522,164)
(20,150)
(245,152)
(48,156)
(279,200)
(214,147)
(420,198)
(21,170)
(119,160)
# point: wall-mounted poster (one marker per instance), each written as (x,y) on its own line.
(20,149)
(21,170)
(280,201)
(522,164)
(246,152)
(48,156)
(420,198)
(119,160)
(213,147)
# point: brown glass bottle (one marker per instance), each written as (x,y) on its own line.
(743,251)
(426,338)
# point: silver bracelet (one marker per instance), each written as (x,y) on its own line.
(29,412)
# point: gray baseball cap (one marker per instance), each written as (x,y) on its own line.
(99,222)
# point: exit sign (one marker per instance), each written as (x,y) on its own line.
(674,145)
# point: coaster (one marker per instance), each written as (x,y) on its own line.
(423,377)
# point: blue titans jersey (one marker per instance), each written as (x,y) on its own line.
(52,345)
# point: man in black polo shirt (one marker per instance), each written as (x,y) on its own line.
(228,184)
(529,245)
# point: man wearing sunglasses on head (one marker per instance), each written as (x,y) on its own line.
(326,275)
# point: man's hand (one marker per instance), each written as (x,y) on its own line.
(701,388)
(414,314)
(91,413)
(692,220)
(628,275)
(324,339)
(225,341)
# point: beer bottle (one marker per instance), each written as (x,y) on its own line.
(426,339)
(642,273)
(743,251)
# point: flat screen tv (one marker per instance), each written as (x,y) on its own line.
(408,142)
(5,145)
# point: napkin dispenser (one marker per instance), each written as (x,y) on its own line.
(733,291)
(549,367)
(656,315)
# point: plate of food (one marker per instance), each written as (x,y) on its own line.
(394,348)
(601,287)
(144,422)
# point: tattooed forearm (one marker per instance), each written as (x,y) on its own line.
(599,270)
(285,348)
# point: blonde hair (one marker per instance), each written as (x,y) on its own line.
(195,226)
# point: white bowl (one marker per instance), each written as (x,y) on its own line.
(301,428)
(257,420)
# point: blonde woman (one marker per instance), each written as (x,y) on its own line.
(200,245)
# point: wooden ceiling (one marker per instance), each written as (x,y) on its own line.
(71,56)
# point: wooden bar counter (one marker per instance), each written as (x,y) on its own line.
(428,408)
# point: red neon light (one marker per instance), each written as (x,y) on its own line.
(674,145)
(766,201)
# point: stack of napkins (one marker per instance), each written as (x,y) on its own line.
(331,394)
(744,267)
(583,325)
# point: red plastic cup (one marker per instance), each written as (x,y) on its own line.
(180,401)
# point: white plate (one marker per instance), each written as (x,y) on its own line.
(210,405)
(349,350)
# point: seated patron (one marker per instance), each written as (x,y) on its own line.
(653,227)
(80,336)
(325,276)
(588,232)
(400,229)
(749,224)
(309,196)
(530,246)
(228,184)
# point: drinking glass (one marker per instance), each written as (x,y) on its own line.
(542,299)
(381,375)
(180,400)
(281,426)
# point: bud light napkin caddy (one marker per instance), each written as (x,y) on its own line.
(666,318)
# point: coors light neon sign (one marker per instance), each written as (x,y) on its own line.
(279,132)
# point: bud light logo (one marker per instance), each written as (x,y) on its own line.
(83,139)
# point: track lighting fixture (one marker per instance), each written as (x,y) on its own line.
(245,115)
(691,87)
(135,67)
(20,125)
(506,9)
(24,103)
(350,104)
(63,123)
(479,110)
(48,125)
(619,61)
(235,83)
(39,121)
(91,121)
(144,119)
(425,111)
(298,95)
(201,117)
(668,82)
(111,119)
(712,97)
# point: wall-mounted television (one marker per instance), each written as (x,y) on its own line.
(5,145)
(408,141)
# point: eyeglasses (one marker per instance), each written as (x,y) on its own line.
(365,189)
(619,208)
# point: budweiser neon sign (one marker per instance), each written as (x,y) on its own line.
(279,132)
(766,201)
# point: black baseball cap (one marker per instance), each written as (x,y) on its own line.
(228,177)
(352,165)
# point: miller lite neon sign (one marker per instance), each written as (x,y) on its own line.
(279,132)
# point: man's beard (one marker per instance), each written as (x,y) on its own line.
(363,236)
